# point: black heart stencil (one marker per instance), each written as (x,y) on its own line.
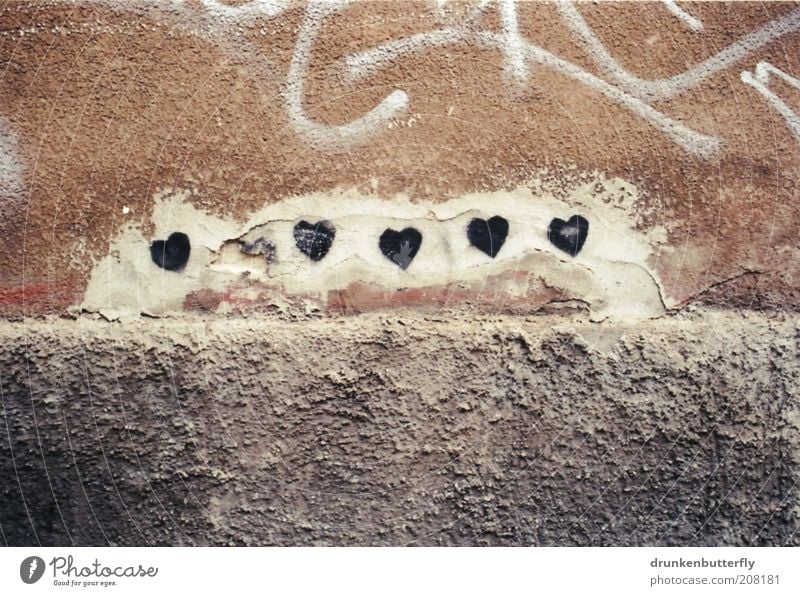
(314,240)
(400,247)
(488,236)
(569,235)
(171,254)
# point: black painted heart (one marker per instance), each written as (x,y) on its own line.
(488,236)
(314,240)
(171,254)
(400,247)
(569,235)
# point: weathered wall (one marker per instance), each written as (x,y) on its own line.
(429,272)
(386,430)
(673,133)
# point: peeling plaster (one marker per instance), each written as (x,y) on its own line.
(259,259)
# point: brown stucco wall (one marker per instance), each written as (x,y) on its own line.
(257,113)
(450,273)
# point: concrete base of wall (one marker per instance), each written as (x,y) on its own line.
(401,428)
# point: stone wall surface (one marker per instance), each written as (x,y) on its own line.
(394,430)
(625,158)
(399,272)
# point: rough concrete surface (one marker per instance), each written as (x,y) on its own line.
(399,272)
(445,428)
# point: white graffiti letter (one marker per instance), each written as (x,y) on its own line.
(515,66)
(519,54)
(319,136)
(10,165)
(254,8)
(693,23)
(760,82)
(649,90)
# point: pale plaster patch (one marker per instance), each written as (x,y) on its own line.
(611,273)
(11,185)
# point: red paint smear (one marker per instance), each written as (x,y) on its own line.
(41,296)
(512,291)
(509,291)
(24,294)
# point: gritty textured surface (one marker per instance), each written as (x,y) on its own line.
(105,104)
(411,428)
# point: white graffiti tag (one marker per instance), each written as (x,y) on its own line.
(760,82)
(11,185)
(624,88)
(218,18)
(331,138)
